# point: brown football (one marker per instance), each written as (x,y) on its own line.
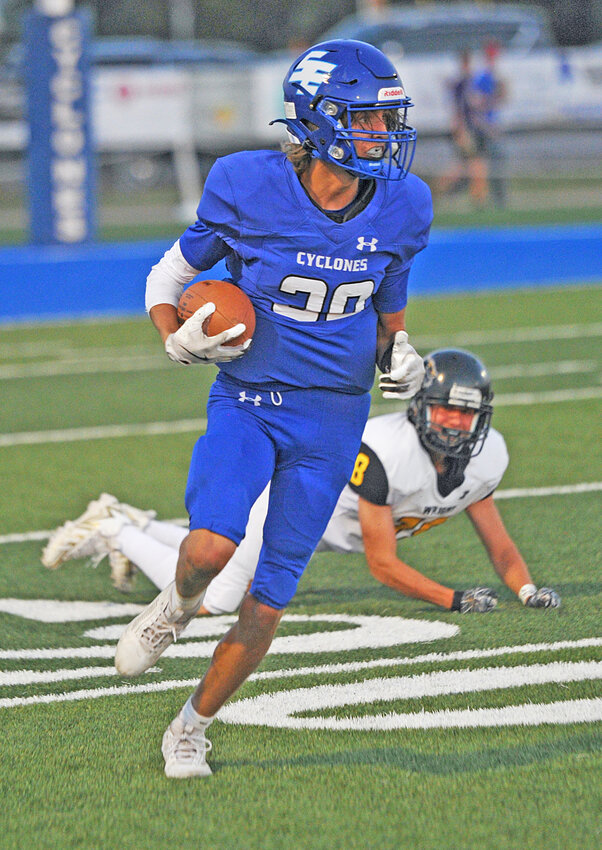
(232,306)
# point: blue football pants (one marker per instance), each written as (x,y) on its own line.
(305,441)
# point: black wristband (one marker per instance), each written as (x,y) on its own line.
(384,361)
(457,601)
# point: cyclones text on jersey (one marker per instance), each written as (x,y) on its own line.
(320,261)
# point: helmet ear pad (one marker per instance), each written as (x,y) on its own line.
(324,90)
(453,379)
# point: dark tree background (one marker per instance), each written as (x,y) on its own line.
(270,24)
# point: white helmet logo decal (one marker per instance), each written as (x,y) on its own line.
(392,93)
(311,72)
(465,396)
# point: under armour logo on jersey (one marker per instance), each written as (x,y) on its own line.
(310,73)
(255,400)
(370,244)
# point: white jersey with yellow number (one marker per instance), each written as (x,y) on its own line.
(410,486)
(407,482)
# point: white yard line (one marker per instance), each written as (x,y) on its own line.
(83,364)
(27,348)
(46,348)
(67,348)
(79,366)
(548,396)
(515,399)
(536,370)
(180,426)
(537,492)
(102,432)
(65,358)
(108,651)
(516,493)
(511,335)
(33,324)
(37,677)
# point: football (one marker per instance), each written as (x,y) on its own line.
(232,306)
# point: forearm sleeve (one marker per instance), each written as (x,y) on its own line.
(167,278)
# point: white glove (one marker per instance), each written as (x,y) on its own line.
(190,344)
(404,378)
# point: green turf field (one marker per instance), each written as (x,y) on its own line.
(143,213)
(370,733)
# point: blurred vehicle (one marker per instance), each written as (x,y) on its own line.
(148,51)
(140,50)
(134,80)
(127,53)
(446,28)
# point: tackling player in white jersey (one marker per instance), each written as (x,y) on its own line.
(413,472)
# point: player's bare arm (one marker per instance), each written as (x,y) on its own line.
(505,556)
(503,552)
(388,325)
(380,546)
(165,318)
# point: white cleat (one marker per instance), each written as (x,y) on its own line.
(135,516)
(89,536)
(123,571)
(149,635)
(185,751)
(73,539)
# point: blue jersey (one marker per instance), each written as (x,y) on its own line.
(316,285)
(487,86)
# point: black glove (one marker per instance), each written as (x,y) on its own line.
(476,599)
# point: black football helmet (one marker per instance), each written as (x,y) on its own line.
(453,378)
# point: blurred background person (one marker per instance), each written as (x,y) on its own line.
(487,94)
(468,170)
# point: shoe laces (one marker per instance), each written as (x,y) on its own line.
(190,744)
(156,632)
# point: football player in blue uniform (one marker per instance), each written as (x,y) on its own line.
(321,237)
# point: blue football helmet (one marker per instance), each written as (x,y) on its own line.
(326,88)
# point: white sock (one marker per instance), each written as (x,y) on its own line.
(156,560)
(166,532)
(186,603)
(190,717)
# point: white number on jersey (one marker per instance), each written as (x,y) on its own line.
(316,291)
